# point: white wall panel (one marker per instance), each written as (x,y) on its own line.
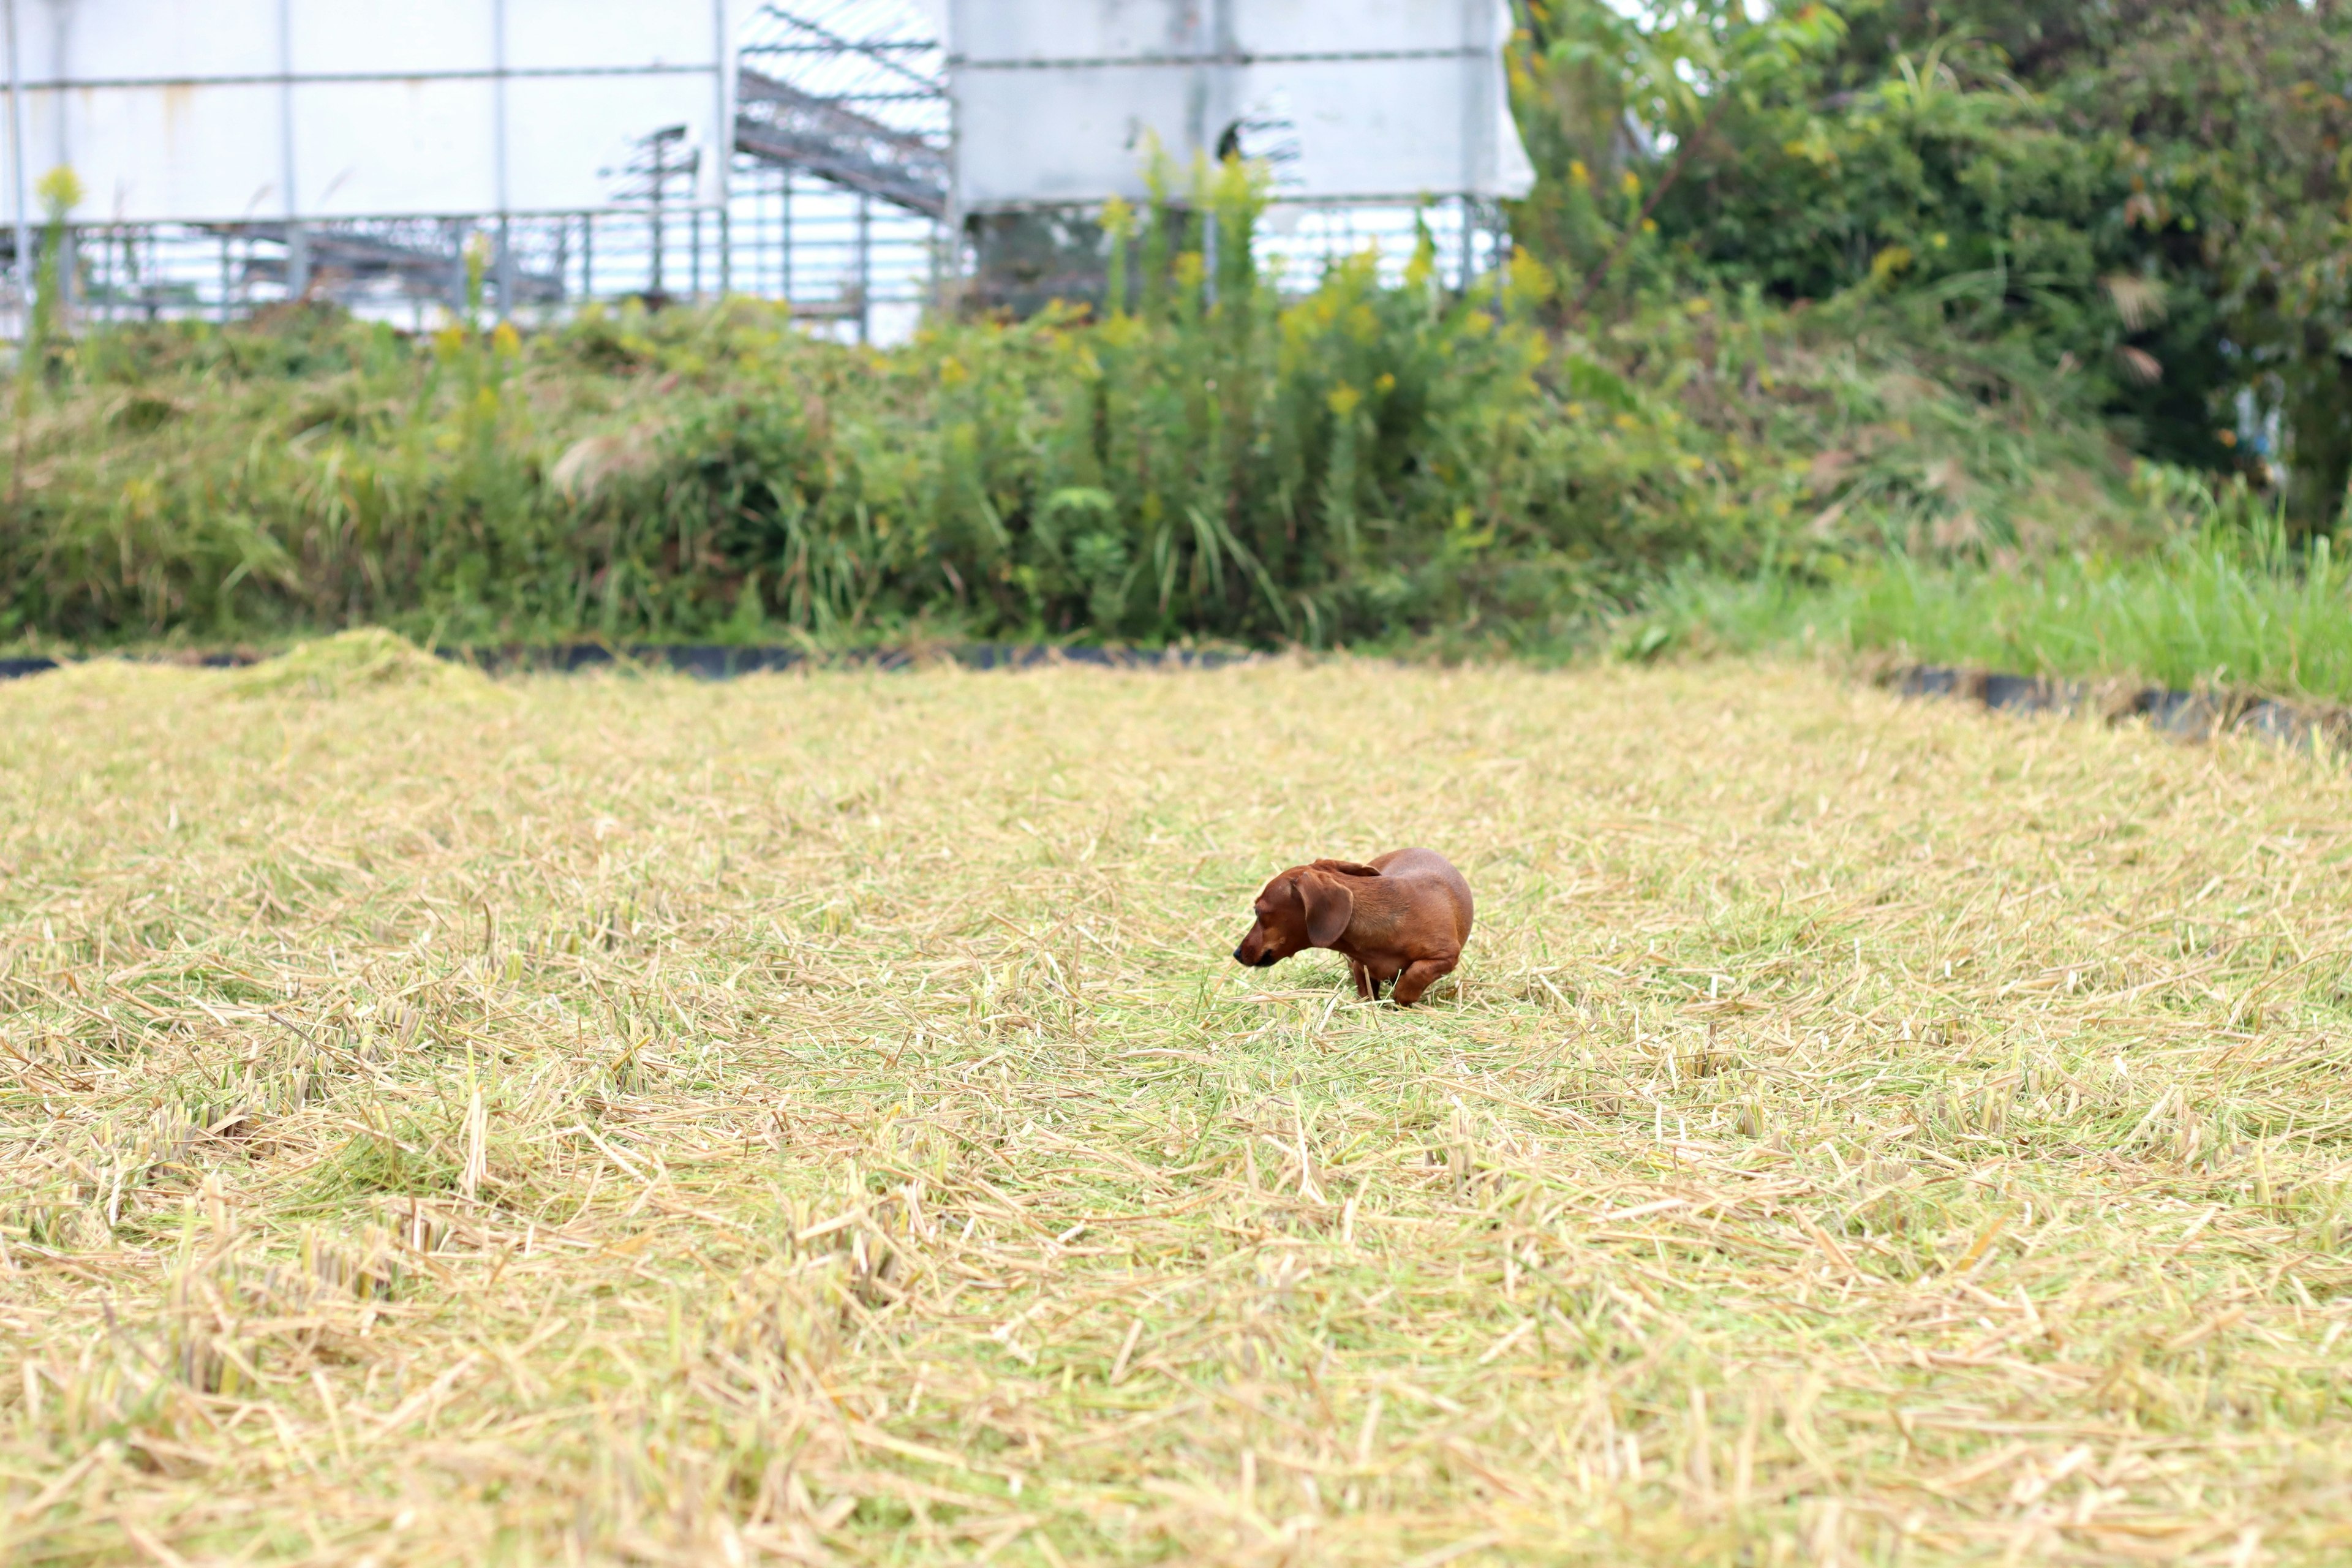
(176,109)
(1324,27)
(77,40)
(1057,101)
(566,35)
(567,128)
(1080,29)
(373,148)
(356,37)
(1076,135)
(151,153)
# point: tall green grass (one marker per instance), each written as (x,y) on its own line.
(2222,600)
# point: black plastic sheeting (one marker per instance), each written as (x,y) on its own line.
(723,661)
(2183,715)
(15,669)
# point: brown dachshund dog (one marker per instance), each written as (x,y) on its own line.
(1402,918)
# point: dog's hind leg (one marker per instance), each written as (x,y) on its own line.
(1418,978)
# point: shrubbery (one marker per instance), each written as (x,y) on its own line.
(1354,463)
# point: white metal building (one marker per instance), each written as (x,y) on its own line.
(234,151)
(1352,100)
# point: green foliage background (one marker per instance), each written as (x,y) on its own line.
(2148,198)
(1957,286)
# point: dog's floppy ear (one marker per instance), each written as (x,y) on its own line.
(1348,868)
(1329,907)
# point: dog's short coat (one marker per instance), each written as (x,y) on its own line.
(1402,918)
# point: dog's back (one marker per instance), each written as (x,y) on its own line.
(1428,868)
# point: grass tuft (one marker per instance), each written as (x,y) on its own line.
(2221,600)
(355,660)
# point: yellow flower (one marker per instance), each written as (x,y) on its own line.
(59,190)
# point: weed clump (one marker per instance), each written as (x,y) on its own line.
(366,658)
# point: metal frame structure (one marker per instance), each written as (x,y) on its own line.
(852,94)
(830,197)
(837,197)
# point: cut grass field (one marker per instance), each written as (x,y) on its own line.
(815,1118)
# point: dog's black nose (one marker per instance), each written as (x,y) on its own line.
(1238,958)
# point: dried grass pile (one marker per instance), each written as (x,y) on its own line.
(815,1120)
(353,661)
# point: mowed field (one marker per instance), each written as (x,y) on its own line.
(816,1120)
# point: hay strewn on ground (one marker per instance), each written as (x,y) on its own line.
(815,1120)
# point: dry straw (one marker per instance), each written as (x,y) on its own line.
(814,1120)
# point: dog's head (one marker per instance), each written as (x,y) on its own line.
(1307,906)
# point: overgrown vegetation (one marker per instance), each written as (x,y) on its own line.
(2143,205)
(2146,198)
(1823,302)
(2223,599)
(1355,463)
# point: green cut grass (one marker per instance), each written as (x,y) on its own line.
(815,1120)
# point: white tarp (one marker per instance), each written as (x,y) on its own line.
(201,110)
(1060,100)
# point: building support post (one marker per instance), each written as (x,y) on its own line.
(1469,245)
(949,300)
(26,273)
(864,268)
(661,183)
(297,243)
(722,134)
(506,269)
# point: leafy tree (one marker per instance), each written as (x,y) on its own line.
(2149,196)
(2230,121)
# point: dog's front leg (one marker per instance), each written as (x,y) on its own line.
(1366,991)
